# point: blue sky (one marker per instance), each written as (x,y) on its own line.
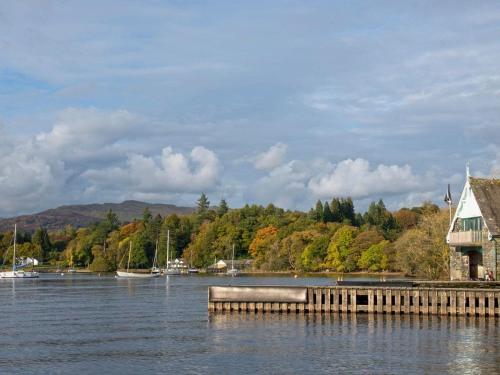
(274,101)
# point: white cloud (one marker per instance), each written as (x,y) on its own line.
(357,179)
(271,158)
(91,155)
(172,173)
(298,183)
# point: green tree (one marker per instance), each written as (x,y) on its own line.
(336,210)
(347,211)
(112,221)
(423,251)
(327,213)
(374,258)
(339,250)
(319,211)
(223,208)
(41,238)
(314,254)
(146,216)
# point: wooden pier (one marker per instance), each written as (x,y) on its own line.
(421,300)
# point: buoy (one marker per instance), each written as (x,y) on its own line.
(62,274)
(295,276)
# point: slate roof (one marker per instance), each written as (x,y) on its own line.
(487,193)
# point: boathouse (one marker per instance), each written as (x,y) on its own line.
(474,234)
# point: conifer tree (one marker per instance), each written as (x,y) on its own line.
(319,211)
(223,208)
(327,213)
(335,210)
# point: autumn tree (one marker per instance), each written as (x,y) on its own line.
(265,241)
(340,248)
(423,251)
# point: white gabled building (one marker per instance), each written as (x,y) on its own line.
(475,231)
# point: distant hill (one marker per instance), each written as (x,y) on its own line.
(83,215)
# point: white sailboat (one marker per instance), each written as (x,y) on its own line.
(15,273)
(156,270)
(233,271)
(134,275)
(170,268)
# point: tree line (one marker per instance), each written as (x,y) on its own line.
(332,236)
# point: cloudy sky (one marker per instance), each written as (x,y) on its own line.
(258,102)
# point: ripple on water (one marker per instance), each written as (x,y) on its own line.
(89,324)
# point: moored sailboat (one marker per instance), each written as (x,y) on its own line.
(17,273)
(170,268)
(233,271)
(135,275)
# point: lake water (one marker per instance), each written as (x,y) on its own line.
(86,324)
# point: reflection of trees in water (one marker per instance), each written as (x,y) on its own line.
(388,343)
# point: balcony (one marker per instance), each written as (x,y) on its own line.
(468,238)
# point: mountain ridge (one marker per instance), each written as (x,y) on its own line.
(81,215)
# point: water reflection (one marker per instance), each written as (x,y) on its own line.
(430,344)
(90,324)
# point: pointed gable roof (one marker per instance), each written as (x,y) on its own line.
(487,194)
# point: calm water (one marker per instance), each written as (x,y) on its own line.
(87,324)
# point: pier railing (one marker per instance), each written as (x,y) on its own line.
(350,299)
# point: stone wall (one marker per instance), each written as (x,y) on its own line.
(490,257)
(459,265)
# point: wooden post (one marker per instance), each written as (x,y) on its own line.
(371,301)
(472,304)
(491,304)
(267,306)
(462,310)
(310,300)
(453,302)
(211,306)
(444,302)
(336,306)
(397,302)
(259,306)
(406,306)
(251,307)
(433,295)
(234,306)
(388,300)
(344,301)
(380,301)
(416,302)
(481,310)
(354,307)
(301,307)
(318,292)
(328,293)
(425,301)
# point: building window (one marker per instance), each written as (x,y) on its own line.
(471,223)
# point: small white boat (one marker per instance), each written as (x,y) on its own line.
(233,271)
(170,268)
(193,270)
(15,273)
(135,275)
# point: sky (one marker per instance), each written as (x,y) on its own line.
(282,102)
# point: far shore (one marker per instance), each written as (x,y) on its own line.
(55,269)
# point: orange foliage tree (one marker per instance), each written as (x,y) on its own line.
(263,241)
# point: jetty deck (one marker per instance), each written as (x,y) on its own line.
(421,299)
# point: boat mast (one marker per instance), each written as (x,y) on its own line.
(232,261)
(14,255)
(129,251)
(156,254)
(168,246)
